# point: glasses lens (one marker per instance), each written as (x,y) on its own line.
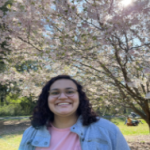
(70,92)
(55,93)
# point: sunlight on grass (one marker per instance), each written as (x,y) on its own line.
(11,141)
(141,129)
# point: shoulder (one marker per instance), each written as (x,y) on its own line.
(109,133)
(105,125)
(29,130)
(29,133)
(105,132)
(32,132)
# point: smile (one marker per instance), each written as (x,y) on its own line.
(63,104)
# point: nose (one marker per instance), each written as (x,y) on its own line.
(62,95)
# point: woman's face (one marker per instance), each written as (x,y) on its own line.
(63,98)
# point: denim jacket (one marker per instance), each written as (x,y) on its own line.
(101,135)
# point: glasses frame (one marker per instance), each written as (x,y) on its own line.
(64,93)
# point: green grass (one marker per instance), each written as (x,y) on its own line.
(16,116)
(18,119)
(141,129)
(12,141)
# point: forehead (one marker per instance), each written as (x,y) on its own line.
(62,84)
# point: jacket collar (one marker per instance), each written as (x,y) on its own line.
(43,136)
(78,127)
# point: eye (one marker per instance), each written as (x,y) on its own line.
(54,93)
(70,92)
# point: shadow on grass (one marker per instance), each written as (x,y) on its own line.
(13,127)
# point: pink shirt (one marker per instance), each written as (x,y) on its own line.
(62,139)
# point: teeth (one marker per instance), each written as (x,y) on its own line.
(63,103)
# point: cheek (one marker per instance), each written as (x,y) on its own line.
(76,99)
(50,101)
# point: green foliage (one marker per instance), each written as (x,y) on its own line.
(26,66)
(17,107)
(27,105)
(6,6)
(11,110)
(2,66)
(3,27)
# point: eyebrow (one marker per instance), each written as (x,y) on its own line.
(65,89)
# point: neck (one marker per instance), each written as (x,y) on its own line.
(64,122)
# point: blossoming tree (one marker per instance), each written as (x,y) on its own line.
(104,43)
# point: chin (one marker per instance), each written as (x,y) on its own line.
(65,114)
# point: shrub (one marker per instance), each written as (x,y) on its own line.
(18,107)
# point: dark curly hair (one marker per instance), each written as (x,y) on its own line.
(42,115)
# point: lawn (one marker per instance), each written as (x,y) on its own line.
(11,141)
(141,129)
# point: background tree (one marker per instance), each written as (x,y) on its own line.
(3,50)
(103,43)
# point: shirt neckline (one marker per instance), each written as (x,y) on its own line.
(60,129)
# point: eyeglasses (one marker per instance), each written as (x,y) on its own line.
(68,93)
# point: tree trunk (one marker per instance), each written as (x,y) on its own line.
(148,122)
(2,101)
(124,111)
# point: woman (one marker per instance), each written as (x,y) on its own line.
(64,120)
